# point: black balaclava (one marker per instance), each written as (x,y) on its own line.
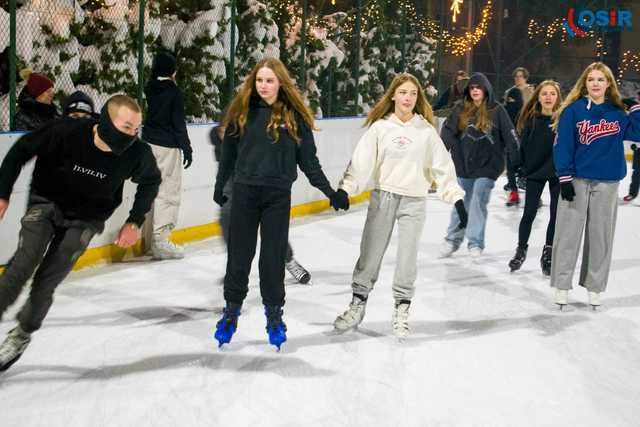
(117,141)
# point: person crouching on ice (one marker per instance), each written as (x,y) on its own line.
(402,151)
(77,184)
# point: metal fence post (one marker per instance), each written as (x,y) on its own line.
(141,51)
(232,52)
(303,44)
(12,62)
(356,50)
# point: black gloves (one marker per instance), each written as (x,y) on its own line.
(187,158)
(219,197)
(566,191)
(339,200)
(462,214)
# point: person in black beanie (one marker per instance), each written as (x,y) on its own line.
(78,178)
(268,134)
(166,131)
(79,105)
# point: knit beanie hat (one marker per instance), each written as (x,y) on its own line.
(37,84)
(164,65)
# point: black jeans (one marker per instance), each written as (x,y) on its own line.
(635,175)
(511,175)
(532,198)
(49,245)
(267,208)
(225,218)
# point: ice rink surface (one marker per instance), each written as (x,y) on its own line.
(131,344)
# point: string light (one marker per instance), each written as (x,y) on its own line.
(455,9)
(629,61)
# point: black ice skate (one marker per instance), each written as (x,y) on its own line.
(545,260)
(518,259)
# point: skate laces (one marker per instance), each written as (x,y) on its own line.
(13,344)
(355,308)
(296,269)
(229,318)
(274,318)
(401,317)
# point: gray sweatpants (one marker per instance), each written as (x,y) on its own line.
(164,213)
(594,210)
(384,210)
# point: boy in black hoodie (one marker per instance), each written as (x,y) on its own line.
(77,183)
(166,131)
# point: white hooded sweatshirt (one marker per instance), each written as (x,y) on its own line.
(403,158)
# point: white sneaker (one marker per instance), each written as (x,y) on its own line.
(594,299)
(400,321)
(13,346)
(165,249)
(475,252)
(353,316)
(447,249)
(561,297)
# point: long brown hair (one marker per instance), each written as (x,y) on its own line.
(480,112)
(579,90)
(386,105)
(533,107)
(288,103)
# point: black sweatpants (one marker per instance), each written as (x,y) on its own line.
(532,198)
(225,218)
(267,208)
(49,245)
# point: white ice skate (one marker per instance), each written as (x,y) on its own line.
(164,249)
(298,272)
(561,297)
(400,321)
(351,318)
(447,249)
(594,300)
(13,346)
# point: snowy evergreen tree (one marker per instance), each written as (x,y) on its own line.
(258,37)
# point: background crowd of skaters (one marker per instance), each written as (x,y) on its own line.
(575,146)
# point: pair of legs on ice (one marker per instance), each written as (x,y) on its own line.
(49,245)
(476,198)
(531,203)
(266,208)
(293,267)
(594,212)
(385,209)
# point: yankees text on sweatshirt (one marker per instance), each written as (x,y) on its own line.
(83,181)
(589,142)
(402,158)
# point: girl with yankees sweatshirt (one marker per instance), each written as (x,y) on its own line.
(403,153)
(536,155)
(591,126)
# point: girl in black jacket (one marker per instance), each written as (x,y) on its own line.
(536,149)
(478,132)
(268,135)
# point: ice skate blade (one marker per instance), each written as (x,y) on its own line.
(561,306)
(594,307)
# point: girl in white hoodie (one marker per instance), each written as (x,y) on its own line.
(403,154)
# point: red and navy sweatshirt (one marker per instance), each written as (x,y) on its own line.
(589,141)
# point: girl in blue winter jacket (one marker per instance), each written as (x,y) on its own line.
(589,159)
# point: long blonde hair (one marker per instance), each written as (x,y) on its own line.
(288,103)
(580,89)
(386,105)
(533,107)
